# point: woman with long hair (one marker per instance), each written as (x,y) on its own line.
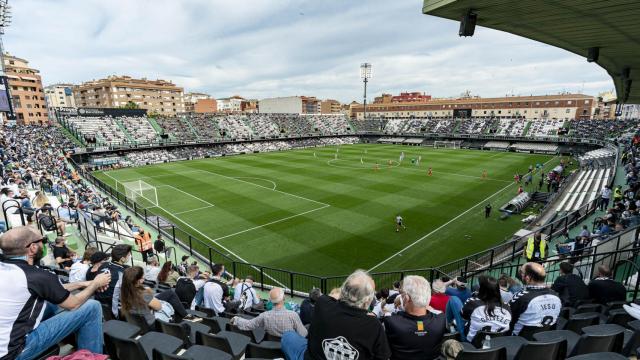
(485,310)
(135,298)
(167,275)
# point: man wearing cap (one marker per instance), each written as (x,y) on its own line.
(27,289)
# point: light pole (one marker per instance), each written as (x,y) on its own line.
(5,21)
(365,75)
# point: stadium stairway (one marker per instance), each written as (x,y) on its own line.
(154,124)
(190,125)
(124,130)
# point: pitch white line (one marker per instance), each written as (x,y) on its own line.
(257,178)
(196,209)
(184,192)
(447,223)
(265,187)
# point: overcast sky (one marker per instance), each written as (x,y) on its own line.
(267,48)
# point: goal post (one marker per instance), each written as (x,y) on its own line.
(447,144)
(142,193)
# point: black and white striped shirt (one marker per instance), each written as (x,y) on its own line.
(23,291)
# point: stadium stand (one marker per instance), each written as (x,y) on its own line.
(176,127)
(104,130)
(500,145)
(139,129)
(537,147)
(545,127)
(601,323)
(511,127)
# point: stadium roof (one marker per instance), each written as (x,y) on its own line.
(573,25)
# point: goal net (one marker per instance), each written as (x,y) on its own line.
(447,144)
(142,193)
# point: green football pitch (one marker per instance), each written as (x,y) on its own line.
(326,211)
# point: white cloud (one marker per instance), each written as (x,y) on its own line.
(286,47)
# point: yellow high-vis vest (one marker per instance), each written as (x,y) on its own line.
(531,245)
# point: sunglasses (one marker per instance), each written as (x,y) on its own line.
(44,241)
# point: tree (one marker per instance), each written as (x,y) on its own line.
(130,105)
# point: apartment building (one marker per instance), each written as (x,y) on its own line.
(27,94)
(156,96)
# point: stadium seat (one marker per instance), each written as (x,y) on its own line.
(180,331)
(527,332)
(256,335)
(141,322)
(536,350)
(215,323)
(499,353)
(619,317)
(599,356)
(52,351)
(195,352)
(578,321)
(481,335)
(576,345)
(232,343)
(271,350)
(587,308)
(121,328)
(142,347)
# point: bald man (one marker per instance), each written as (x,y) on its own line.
(275,321)
(536,305)
(27,290)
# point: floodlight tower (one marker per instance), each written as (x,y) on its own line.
(365,75)
(5,21)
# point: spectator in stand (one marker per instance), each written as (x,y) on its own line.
(28,290)
(276,321)
(184,265)
(458,287)
(603,289)
(342,326)
(505,294)
(152,270)
(167,275)
(439,299)
(61,253)
(416,332)
(145,246)
(569,286)
(216,291)
(246,294)
(78,271)
(535,305)
(188,286)
(605,196)
(67,214)
(486,310)
(96,261)
(159,245)
(308,305)
(140,300)
(120,256)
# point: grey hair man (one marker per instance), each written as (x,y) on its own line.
(342,328)
(276,321)
(406,331)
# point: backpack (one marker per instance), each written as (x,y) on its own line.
(185,289)
(48,223)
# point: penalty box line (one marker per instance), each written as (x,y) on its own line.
(447,223)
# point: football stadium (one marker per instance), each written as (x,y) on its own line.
(151,220)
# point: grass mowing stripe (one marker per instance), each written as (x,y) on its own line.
(356,231)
